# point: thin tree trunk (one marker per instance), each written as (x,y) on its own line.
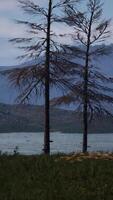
(85,90)
(85,109)
(47,84)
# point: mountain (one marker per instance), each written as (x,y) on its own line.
(9,93)
(18,118)
(30,118)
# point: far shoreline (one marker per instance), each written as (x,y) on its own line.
(54,132)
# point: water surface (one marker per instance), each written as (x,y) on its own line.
(32,143)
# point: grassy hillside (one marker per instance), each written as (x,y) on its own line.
(29,118)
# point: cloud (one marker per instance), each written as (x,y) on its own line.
(9,29)
(8,5)
(8,52)
(8,12)
(110,39)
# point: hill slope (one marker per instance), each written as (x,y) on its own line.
(9,93)
(30,118)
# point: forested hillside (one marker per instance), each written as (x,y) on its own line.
(29,118)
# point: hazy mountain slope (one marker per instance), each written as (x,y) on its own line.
(29,118)
(8,93)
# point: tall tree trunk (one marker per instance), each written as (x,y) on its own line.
(85,108)
(85,89)
(47,85)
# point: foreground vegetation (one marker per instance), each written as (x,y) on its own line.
(58,177)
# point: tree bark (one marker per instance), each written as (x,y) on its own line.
(47,85)
(85,108)
(85,89)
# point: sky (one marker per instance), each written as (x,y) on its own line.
(9,11)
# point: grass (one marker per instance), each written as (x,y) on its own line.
(55,178)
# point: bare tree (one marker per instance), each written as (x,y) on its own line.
(92,89)
(41,46)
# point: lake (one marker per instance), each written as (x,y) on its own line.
(32,143)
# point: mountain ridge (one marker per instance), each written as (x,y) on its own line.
(9,94)
(30,118)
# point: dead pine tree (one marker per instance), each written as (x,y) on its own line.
(47,84)
(40,47)
(90,30)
